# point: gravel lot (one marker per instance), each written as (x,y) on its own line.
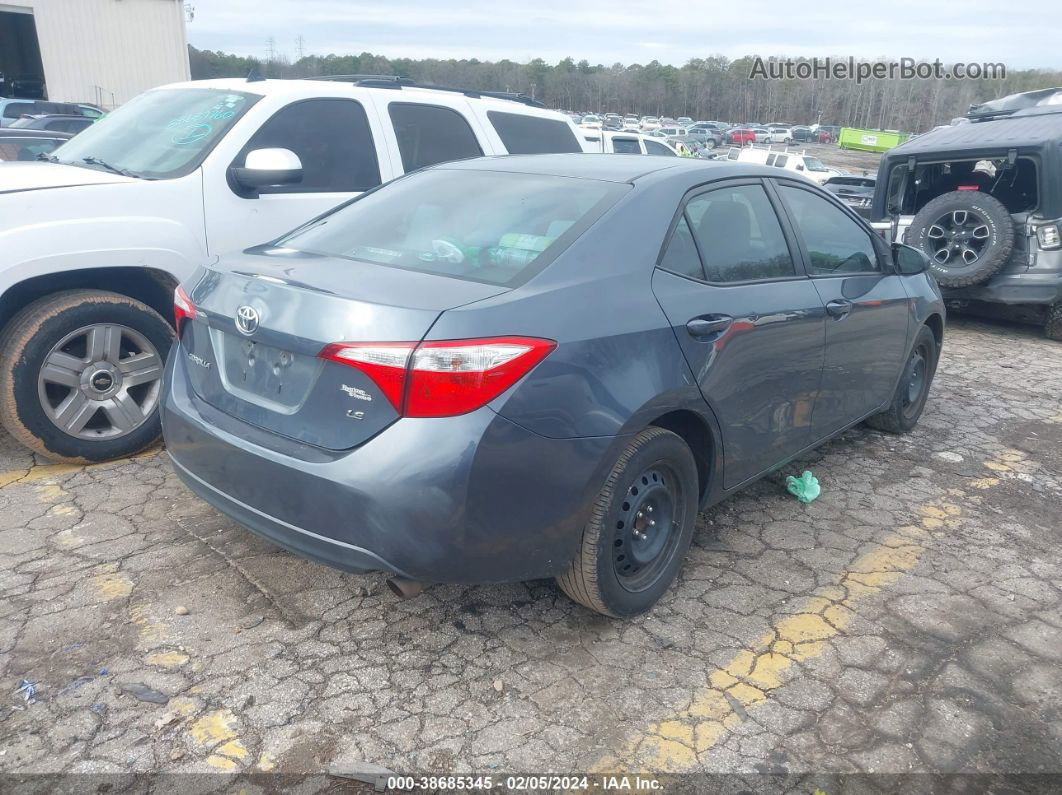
(910,620)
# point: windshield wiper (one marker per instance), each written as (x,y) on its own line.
(47,157)
(95,161)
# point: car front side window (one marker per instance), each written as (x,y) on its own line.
(835,242)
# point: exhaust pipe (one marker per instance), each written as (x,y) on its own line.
(404,588)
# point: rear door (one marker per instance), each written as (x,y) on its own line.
(868,309)
(421,134)
(748,320)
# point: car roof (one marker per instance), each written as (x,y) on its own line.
(1012,132)
(309,88)
(611,168)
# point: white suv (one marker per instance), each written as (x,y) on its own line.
(94,241)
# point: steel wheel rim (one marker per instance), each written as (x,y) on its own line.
(101,381)
(958,238)
(915,378)
(647,527)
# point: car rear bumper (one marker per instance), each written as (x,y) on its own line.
(467,499)
(1029,287)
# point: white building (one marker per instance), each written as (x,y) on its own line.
(99,51)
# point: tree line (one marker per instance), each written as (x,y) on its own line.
(715,87)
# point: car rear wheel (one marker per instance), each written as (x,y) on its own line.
(1053,323)
(967,235)
(640,529)
(81,375)
(909,399)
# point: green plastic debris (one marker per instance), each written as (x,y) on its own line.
(805,488)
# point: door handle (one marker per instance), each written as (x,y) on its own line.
(708,325)
(839,309)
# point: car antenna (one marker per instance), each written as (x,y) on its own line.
(253,76)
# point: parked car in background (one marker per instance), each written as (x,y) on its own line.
(685,121)
(763,135)
(984,201)
(802,134)
(855,191)
(96,239)
(707,139)
(27,145)
(591,122)
(625,143)
(671,132)
(13,109)
(650,123)
(804,165)
(632,123)
(72,124)
(740,136)
(828,134)
(780,135)
(397,384)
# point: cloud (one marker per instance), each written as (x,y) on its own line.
(607,31)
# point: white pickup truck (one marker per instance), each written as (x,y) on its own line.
(94,240)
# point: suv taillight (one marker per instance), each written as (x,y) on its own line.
(183,309)
(1048,237)
(442,378)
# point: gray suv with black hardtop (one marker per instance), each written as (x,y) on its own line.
(983,200)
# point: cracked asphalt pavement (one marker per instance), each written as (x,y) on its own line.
(908,621)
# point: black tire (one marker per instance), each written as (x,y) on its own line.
(624,565)
(32,337)
(1053,323)
(710,144)
(967,253)
(907,403)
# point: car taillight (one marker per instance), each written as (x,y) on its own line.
(182,308)
(442,378)
(1048,236)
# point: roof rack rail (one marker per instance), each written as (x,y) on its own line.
(396,82)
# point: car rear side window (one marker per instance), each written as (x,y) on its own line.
(836,243)
(486,226)
(332,139)
(533,135)
(626,146)
(430,134)
(681,255)
(739,235)
(657,148)
(14,110)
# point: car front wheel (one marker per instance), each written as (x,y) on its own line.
(640,529)
(909,399)
(81,375)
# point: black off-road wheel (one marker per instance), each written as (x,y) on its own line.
(1053,323)
(967,235)
(81,375)
(909,399)
(640,529)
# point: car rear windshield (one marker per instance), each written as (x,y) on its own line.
(483,226)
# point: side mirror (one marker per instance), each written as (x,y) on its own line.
(264,168)
(909,260)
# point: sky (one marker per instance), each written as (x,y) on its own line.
(1020,35)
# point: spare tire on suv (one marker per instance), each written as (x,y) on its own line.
(968,236)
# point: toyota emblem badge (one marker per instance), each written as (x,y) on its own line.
(247,320)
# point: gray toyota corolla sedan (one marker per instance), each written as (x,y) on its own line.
(540,366)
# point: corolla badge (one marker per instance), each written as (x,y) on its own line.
(247,320)
(199,360)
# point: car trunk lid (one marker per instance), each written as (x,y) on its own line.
(261,321)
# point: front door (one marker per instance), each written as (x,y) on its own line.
(749,322)
(868,310)
(335,141)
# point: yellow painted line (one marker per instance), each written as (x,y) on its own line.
(112,586)
(216,732)
(167,659)
(748,679)
(37,473)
